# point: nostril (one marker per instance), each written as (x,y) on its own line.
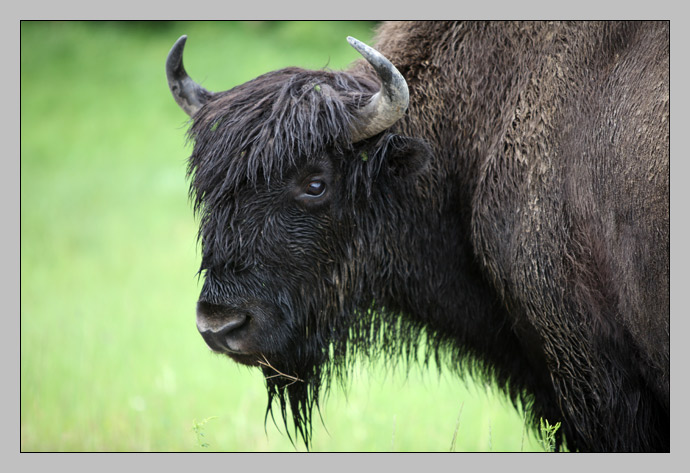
(221,327)
(216,323)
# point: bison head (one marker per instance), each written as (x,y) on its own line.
(305,197)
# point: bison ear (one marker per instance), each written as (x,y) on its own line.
(408,156)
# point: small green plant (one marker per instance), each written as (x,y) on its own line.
(457,427)
(548,434)
(198,428)
(491,445)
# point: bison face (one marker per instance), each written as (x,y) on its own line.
(305,198)
(295,265)
(288,260)
(269,256)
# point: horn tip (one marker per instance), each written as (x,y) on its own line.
(182,39)
(355,43)
(174,60)
(179,44)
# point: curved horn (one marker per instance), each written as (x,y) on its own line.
(188,94)
(388,105)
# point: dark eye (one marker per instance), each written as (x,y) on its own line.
(315,188)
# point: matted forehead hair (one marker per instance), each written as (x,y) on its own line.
(259,129)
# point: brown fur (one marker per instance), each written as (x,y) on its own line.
(559,135)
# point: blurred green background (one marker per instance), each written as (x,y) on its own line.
(110,356)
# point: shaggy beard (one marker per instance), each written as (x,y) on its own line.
(301,394)
(296,382)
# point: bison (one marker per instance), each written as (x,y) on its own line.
(495,191)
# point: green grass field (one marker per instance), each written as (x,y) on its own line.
(110,356)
